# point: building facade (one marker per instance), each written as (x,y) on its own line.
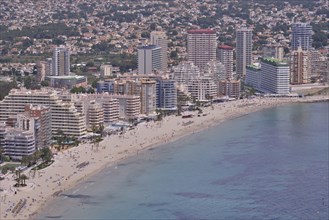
(230,88)
(64,116)
(148,97)
(225,56)
(19,143)
(149,59)
(299,67)
(243,50)
(166,94)
(201,46)
(61,62)
(253,76)
(274,76)
(159,38)
(301,36)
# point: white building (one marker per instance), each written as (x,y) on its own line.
(106,70)
(61,62)
(274,76)
(216,70)
(201,46)
(243,50)
(253,76)
(64,115)
(203,88)
(159,38)
(185,71)
(225,56)
(19,143)
(149,59)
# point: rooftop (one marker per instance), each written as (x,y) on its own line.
(225,47)
(148,47)
(273,61)
(201,31)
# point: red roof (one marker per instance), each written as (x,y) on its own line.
(225,47)
(201,31)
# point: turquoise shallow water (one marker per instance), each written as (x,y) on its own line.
(271,164)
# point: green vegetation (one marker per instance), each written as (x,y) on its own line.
(47,31)
(9,167)
(5,88)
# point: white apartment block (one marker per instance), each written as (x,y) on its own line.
(19,143)
(201,46)
(203,88)
(185,71)
(216,70)
(149,59)
(61,62)
(275,76)
(159,38)
(64,116)
(225,56)
(253,76)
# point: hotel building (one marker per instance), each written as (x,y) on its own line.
(61,62)
(243,50)
(301,36)
(166,97)
(274,76)
(299,67)
(201,46)
(230,88)
(64,116)
(225,56)
(159,38)
(149,59)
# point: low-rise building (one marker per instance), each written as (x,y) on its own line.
(230,88)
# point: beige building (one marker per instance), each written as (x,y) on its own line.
(230,88)
(64,115)
(201,46)
(36,119)
(148,97)
(106,70)
(299,67)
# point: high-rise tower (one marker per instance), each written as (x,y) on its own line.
(159,38)
(61,62)
(149,59)
(301,36)
(243,50)
(201,46)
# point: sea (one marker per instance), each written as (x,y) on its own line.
(271,164)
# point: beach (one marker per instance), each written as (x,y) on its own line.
(78,164)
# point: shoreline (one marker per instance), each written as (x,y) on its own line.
(42,188)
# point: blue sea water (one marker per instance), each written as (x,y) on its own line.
(271,164)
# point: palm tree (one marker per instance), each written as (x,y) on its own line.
(59,139)
(23,178)
(18,179)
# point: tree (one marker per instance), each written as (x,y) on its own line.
(59,139)
(23,179)
(44,83)
(47,155)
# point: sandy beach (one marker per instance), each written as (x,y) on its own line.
(78,164)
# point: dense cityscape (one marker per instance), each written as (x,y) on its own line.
(76,75)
